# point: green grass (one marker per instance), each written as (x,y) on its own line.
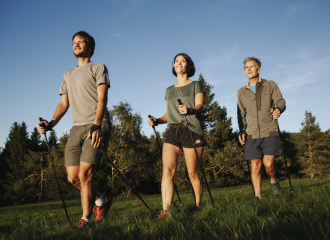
(305,215)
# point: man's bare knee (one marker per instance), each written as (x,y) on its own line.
(85,176)
(269,167)
(255,167)
(73,180)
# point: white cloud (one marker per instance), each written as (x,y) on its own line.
(218,9)
(305,71)
(118,34)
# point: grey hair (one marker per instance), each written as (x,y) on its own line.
(254,59)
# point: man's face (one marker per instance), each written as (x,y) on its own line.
(80,48)
(251,69)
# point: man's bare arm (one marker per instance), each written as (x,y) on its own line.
(60,111)
(102,96)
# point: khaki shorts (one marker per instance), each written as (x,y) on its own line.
(78,149)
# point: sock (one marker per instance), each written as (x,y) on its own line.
(258,195)
(87,220)
(272,181)
(99,202)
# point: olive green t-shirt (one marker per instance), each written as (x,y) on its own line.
(187,95)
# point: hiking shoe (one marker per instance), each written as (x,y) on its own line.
(197,209)
(162,215)
(255,199)
(82,224)
(276,188)
(102,211)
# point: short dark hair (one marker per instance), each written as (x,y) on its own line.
(254,59)
(190,68)
(88,39)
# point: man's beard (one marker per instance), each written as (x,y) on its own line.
(81,54)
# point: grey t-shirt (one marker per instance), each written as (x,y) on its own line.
(187,95)
(80,85)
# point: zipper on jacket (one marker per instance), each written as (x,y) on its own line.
(254,97)
(258,118)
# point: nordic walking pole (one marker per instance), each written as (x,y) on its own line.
(200,162)
(161,151)
(51,160)
(106,155)
(248,166)
(286,165)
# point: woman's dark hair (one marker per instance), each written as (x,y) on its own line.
(88,39)
(190,68)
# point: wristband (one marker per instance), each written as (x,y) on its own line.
(94,128)
(156,122)
(50,126)
(190,111)
(47,128)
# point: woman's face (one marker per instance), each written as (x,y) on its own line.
(180,64)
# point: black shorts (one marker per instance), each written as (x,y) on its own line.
(256,148)
(178,135)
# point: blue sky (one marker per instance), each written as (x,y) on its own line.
(137,40)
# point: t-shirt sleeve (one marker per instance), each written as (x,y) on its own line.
(102,76)
(64,88)
(199,88)
(166,95)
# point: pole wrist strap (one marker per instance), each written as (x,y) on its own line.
(94,128)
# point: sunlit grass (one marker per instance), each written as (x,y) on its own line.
(305,215)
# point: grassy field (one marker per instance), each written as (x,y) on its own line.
(305,215)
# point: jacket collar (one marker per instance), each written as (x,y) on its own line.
(260,82)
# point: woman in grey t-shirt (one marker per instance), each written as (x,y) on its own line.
(177,137)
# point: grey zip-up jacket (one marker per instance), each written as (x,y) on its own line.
(256,108)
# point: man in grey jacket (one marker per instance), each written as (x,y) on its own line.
(257,117)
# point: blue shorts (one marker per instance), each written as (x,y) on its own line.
(257,148)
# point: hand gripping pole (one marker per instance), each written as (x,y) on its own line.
(52,162)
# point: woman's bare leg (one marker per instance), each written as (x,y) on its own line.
(171,155)
(192,166)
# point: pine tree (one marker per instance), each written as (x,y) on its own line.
(310,134)
(35,140)
(14,159)
(52,139)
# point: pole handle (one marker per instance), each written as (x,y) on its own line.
(41,119)
(179,101)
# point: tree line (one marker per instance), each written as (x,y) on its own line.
(26,174)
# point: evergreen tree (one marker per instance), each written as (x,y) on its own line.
(14,159)
(52,139)
(35,140)
(310,143)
